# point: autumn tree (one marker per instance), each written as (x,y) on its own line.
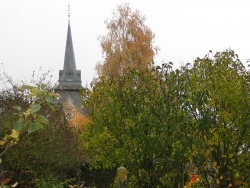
(165,131)
(128,43)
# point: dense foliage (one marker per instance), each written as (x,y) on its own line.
(164,129)
(217,98)
(187,127)
(50,151)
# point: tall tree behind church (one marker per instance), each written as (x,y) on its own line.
(127,44)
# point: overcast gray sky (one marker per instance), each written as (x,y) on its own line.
(33,32)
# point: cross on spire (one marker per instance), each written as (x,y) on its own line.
(68,12)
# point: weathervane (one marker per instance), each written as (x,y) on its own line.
(68,12)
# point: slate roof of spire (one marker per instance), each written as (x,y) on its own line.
(70,78)
(69,58)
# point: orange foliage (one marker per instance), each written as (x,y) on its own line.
(194,178)
(78,120)
(128,44)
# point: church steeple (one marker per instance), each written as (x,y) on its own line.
(69,58)
(69,77)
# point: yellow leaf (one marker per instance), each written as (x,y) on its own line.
(15,134)
(26,114)
(212,130)
(14,185)
(230,156)
(214,163)
(237,175)
(2,142)
(210,142)
(217,181)
(207,152)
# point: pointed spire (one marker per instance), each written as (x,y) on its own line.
(69,57)
(69,77)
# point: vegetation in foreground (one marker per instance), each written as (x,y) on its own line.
(187,127)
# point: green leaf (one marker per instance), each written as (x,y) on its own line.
(19,108)
(35,91)
(34,127)
(18,125)
(48,98)
(27,87)
(35,108)
(56,95)
(42,119)
(43,86)
(52,107)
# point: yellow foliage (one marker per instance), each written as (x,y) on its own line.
(15,134)
(128,44)
(76,118)
(78,121)
(217,181)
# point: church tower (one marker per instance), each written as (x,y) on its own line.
(70,82)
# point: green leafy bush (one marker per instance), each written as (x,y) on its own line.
(52,181)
